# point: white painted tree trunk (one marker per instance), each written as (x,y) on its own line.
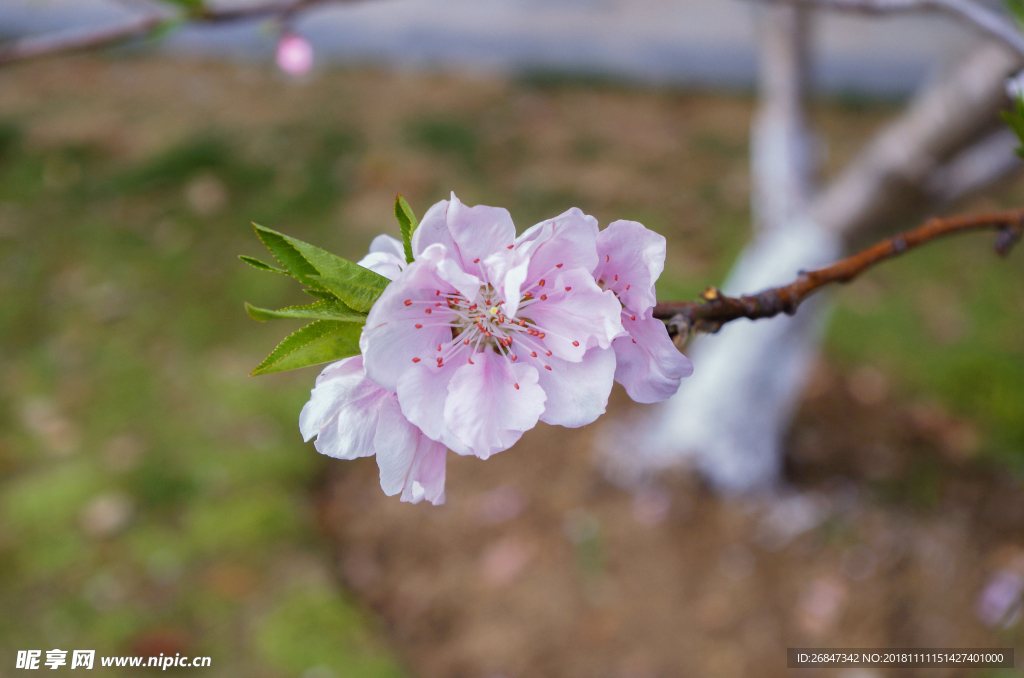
(728,420)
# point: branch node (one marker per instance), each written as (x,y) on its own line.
(1007,237)
(711,294)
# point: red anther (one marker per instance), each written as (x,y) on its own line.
(627,287)
(541,283)
(634,341)
(408,302)
(616,278)
(541,335)
(440,362)
(547,367)
(471,307)
(514,357)
(415,360)
(466,342)
(548,352)
(439,347)
(438,293)
(543,297)
(575,343)
(528,295)
(533,353)
(511,246)
(607,257)
(558,265)
(567,289)
(632,317)
(418,326)
(428,310)
(517,386)
(487,334)
(476,261)
(470,361)
(437,304)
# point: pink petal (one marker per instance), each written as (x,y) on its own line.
(649,365)
(342,411)
(485,409)
(390,341)
(575,314)
(433,230)
(479,232)
(386,257)
(470,234)
(410,463)
(577,393)
(427,473)
(294,54)
(568,239)
(388,245)
(395,443)
(422,393)
(635,256)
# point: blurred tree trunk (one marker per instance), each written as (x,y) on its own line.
(730,417)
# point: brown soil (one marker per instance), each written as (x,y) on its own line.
(591,580)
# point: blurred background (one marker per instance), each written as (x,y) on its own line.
(155,499)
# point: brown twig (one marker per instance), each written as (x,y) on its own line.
(715,309)
(60,42)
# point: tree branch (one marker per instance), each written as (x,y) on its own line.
(716,309)
(59,42)
(992,23)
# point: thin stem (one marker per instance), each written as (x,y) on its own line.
(59,42)
(715,309)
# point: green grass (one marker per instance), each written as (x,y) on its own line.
(125,354)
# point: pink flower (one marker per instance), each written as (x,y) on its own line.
(485,334)
(353,417)
(294,54)
(648,365)
(386,257)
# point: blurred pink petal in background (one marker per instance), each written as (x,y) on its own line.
(294,54)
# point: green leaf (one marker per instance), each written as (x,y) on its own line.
(284,250)
(358,287)
(407,222)
(358,291)
(319,342)
(1015,119)
(256,263)
(321,310)
(320,294)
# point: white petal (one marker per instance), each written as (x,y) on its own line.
(342,411)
